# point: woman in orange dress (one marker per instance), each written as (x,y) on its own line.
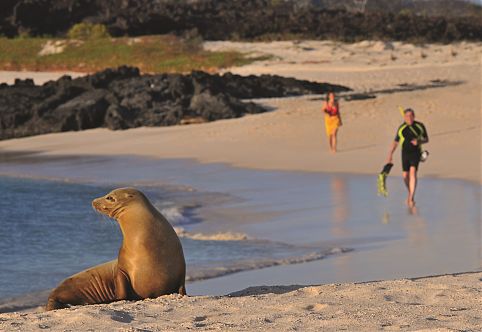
(331,108)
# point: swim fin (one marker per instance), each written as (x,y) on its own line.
(382,180)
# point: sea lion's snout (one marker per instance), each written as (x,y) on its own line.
(98,206)
(104,205)
(115,201)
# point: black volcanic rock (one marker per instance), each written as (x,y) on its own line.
(249,19)
(123,98)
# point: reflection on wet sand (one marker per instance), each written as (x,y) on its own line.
(341,207)
(340,215)
(416,228)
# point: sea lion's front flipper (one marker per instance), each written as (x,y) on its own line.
(123,287)
(94,285)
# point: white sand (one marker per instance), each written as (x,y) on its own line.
(38,77)
(292,138)
(447,303)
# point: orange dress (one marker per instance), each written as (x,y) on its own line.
(332,119)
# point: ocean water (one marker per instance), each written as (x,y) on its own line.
(49,231)
(269,221)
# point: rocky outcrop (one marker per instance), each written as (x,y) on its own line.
(247,19)
(122,98)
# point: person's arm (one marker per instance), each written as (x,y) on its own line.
(420,141)
(339,114)
(424,139)
(391,151)
(324,107)
(393,148)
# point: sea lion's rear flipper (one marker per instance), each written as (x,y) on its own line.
(94,285)
(182,290)
(54,304)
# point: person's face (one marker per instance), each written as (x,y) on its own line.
(409,118)
(331,97)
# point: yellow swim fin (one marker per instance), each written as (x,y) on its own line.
(382,180)
(382,186)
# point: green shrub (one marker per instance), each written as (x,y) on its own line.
(24,34)
(405,12)
(193,41)
(86,31)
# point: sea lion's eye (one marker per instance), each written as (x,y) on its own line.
(110,198)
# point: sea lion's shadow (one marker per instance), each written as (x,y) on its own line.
(262,290)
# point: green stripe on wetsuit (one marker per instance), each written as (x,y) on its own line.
(417,135)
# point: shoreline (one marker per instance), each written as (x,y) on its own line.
(67,170)
(40,156)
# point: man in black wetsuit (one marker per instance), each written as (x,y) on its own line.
(411,135)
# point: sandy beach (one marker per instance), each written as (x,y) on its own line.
(446,303)
(292,138)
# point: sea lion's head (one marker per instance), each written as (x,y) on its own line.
(116,201)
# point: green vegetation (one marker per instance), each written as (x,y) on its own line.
(84,31)
(95,51)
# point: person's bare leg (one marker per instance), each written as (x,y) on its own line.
(334,140)
(330,139)
(412,186)
(406,180)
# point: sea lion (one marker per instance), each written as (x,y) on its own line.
(150,261)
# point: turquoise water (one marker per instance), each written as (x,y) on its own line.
(49,230)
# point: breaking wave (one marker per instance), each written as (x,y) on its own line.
(208,272)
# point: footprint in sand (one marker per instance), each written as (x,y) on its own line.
(200,318)
(430,297)
(198,321)
(120,316)
(317,307)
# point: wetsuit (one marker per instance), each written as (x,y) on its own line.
(411,153)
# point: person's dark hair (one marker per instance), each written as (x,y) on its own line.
(327,98)
(409,110)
